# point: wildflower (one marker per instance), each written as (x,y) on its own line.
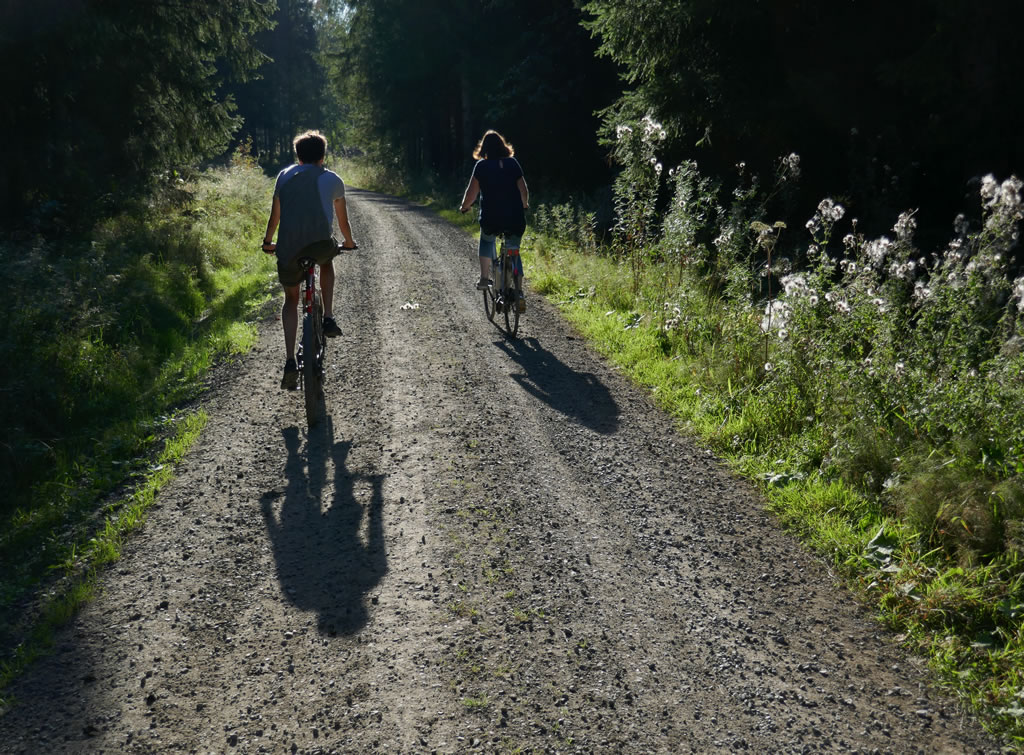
(658,168)
(898,368)
(783,334)
(960,225)
(724,238)
(791,164)
(1018,292)
(905,226)
(877,250)
(831,211)
(621,132)
(849,241)
(989,189)
(768,366)
(776,315)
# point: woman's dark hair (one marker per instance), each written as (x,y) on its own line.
(310,147)
(492,146)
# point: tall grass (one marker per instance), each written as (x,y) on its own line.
(103,341)
(875,389)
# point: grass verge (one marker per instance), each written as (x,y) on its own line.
(146,304)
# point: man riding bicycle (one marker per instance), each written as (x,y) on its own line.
(307,200)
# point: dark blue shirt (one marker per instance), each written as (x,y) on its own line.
(501,206)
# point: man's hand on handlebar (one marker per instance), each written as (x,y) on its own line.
(269,247)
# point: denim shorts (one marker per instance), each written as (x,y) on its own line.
(488,248)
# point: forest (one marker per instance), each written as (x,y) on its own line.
(798,221)
(889,107)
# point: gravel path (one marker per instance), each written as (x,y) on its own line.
(494,546)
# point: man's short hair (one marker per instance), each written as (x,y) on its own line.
(310,147)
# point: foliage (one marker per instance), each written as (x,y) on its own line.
(423,82)
(888,103)
(290,94)
(106,93)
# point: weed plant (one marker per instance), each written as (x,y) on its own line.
(873,388)
(103,340)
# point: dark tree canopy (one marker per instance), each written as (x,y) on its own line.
(426,79)
(104,93)
(291,93)
(893,103)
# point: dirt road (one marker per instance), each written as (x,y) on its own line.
(492,546)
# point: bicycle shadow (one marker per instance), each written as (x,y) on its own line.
(578,395)
(323,562)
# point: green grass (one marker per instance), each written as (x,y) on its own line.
(97,414)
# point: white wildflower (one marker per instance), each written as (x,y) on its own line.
(877,250)
(989,189)
(905,226)
(1018,292)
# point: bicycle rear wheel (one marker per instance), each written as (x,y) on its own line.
(314,347)
(489,303)
(508,286)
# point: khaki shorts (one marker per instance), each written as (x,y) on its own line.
(290,272)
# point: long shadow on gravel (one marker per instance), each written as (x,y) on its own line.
(322,562)
(578,395)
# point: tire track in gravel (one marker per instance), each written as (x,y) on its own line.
(493,546)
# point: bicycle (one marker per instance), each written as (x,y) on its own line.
(311,352)
(504,293)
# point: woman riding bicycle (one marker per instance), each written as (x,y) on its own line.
(504,198)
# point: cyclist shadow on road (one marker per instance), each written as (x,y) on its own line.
(578,395)
(324,564)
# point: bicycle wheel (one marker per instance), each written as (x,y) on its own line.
(489,307)
(313,348)
(508,285)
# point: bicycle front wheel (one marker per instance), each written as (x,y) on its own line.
(314,347)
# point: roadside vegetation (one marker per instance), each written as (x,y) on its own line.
(873,389)
(105,340)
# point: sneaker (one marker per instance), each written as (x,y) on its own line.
(521,303)
(483,284)
(290,381)
(331,329)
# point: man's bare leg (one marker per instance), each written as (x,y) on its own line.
(290,318)
(327,287)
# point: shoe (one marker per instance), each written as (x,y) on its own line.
(290,381)
(521,303)
(483,284)
(331,329)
